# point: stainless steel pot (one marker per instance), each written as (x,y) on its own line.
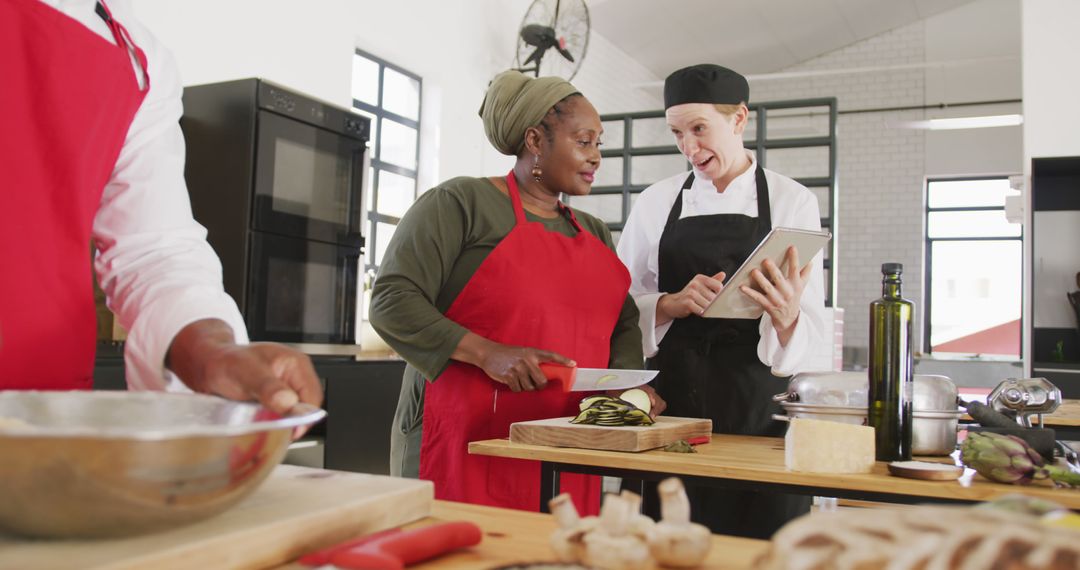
(842,397)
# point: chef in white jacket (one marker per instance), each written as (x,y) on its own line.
(684,236)
(92,152)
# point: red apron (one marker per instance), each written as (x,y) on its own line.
(537,288)
(68,97)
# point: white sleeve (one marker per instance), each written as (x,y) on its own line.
(157,270)
(638,248)
(810,329)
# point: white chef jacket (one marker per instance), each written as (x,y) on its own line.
(157,270)
(792,205)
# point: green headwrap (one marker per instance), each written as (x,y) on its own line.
(514,102)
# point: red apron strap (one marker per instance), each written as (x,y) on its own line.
(519,211)
(124,41)
(564,209)
(515,197)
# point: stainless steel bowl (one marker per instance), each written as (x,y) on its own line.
(110,464)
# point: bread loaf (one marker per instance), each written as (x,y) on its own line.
(921,538)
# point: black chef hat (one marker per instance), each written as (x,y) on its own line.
(705,83)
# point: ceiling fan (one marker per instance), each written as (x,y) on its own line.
(559,25)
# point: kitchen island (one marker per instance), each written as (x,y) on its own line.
(757,463)
(517,537)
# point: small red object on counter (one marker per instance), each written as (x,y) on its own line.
(699,440)
(321,557)
(393,550)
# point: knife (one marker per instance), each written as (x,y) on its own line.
(596,379)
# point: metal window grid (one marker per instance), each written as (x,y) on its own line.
(929,274)
(760,145)
(377,164)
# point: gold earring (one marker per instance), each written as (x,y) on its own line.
(536,172)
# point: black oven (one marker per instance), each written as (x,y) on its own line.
(277,178)
(302,290)
(305,180)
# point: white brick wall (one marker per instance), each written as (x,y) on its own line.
(880,171)
(609,78)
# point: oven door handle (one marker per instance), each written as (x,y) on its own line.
(348,325)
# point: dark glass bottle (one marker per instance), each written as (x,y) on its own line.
(891,368)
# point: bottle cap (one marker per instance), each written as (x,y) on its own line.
(892,267)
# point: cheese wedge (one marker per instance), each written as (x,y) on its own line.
(818,446)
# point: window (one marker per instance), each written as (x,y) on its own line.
(974,269)
(390,96)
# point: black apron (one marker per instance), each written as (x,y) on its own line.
(709,368)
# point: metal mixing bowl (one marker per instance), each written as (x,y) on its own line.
(110,464)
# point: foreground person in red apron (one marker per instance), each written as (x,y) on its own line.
(91,150)
(486,278)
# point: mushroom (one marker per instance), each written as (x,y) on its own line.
(638,525)
(609,546)
(567,540)
(676,541)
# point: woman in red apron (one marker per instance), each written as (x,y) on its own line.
(517,279)
(71,96)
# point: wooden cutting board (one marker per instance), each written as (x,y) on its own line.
(559,432)
(295,511)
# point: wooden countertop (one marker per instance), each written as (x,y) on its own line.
(1067,414)
(515,537)
(761,460)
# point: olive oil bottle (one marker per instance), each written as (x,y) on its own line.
(891,368)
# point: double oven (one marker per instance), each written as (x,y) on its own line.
(277,178)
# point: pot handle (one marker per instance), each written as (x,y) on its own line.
(784,397)
(781,418)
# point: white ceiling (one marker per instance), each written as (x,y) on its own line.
(751,36)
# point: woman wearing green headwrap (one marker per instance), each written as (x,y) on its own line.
(487,278)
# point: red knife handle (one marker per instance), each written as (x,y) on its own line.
(322,557)
(559,373)
(395,551)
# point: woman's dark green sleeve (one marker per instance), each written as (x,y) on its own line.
(414,269)
(626,351)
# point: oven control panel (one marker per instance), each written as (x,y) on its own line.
(290,104)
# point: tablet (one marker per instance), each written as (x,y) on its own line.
(732,303)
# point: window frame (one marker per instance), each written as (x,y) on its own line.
(379,114)
(928,273)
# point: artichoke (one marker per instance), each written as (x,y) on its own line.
(1009,459)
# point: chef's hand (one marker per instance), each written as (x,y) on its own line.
(693,299)
(658,404)
(516,366)
(206,357)
(779,293)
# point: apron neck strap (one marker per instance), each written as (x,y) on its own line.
(519,210)
(566,211)
(515,197)
(123,39)
(764,209)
